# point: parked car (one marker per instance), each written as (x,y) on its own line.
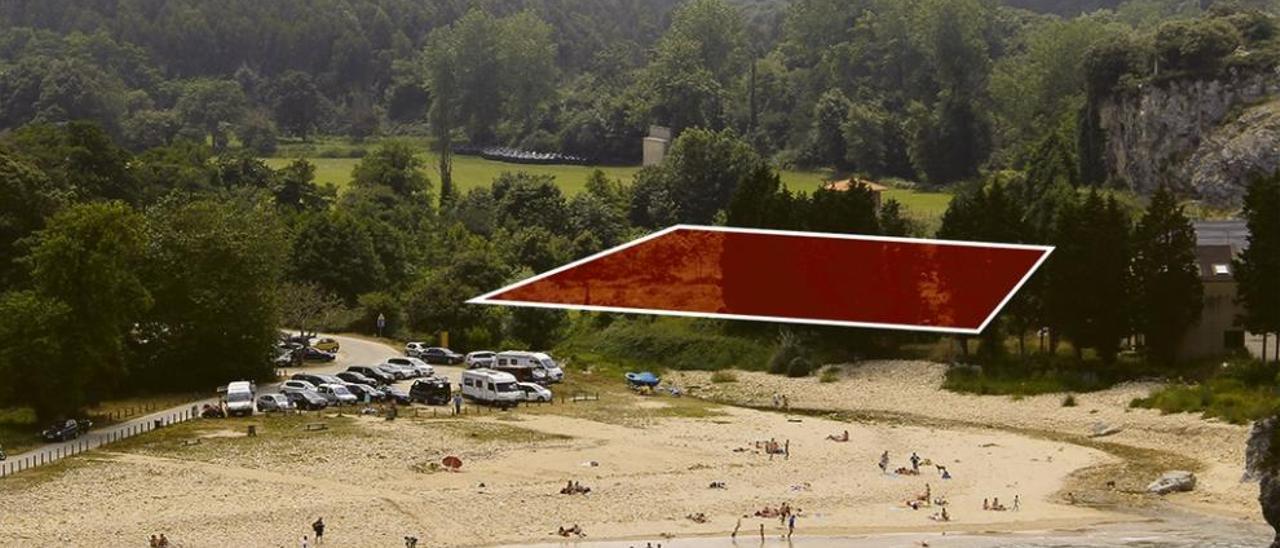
(364,392)
(398,395)
(441,356)
(431,391)
(409,371)
(479,358)
(351,377)
(413,349)
(534,392)
(314,379)
(374,373)
(296,385)
(327,344)
(238,399)
(422,368)
(288,357)
(68,430)
(273,402)
(337,394)
(396,372)
(306,399)
(315,354)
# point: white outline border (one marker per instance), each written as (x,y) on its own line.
(487,298)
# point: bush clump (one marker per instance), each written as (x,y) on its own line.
(799,367)
(830,374)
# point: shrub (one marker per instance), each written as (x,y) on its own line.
(788,349)
(724,376)
(830,374)
(1069,401)
(799,367)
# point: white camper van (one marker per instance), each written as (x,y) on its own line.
(239,398)
(510,358)
(492,387)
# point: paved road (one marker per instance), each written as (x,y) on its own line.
(353,351)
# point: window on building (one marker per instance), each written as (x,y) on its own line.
(1221,269)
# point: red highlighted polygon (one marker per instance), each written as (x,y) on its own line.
(785,276)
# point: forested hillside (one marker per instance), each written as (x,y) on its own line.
(927,90)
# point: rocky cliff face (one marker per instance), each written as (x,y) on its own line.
(1261,468)
(1201,137)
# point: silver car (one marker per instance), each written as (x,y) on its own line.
(273,402)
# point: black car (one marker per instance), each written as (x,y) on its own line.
(398,394)
(315,354)
(440,356)
(69,430)
(357,378)
(360,391)
(307,399)
(313,379)
(373,373)
(431,391)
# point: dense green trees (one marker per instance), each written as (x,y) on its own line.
(930,90)
(212,267)
(1258,267)
(1168,293)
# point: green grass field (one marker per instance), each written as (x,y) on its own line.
(471,171)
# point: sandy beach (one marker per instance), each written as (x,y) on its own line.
(650,462)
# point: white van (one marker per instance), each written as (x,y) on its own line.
(511,358)
(239,398)
(492,387)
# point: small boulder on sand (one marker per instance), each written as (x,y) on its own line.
(1100,429)
(1173,481)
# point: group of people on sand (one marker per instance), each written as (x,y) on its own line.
(995,506)
(572,487)
(571,531)
(773,447)
(914,469)
(159,541)
(782,512)
(780,401)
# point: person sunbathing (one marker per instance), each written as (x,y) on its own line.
(839,438)
(941,516)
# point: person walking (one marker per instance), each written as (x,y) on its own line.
(457,404)
(737,526)
(1015,503)
(318,527)
(791,525)
(915,462)
(884,462)
(761,532)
